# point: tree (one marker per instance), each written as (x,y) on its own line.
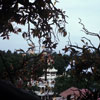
(63,83)
(9,63)
(85,67)
(85,64)
(16,65)
(60,63)
(41,14)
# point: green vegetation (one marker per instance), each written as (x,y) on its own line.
(41,17)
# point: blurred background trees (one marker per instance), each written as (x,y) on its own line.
(45,21)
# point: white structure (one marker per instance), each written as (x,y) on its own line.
(46,86)
(51,74)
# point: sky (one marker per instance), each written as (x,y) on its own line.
(87,10)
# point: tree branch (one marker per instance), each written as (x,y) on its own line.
(88,32)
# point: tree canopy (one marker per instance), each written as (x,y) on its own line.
(61,62)
(84,71)
(41,18)
(41,14)
(84,62)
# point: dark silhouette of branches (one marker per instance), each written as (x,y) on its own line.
(41,14)
(85,30)
(85,60)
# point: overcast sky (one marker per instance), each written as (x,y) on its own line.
(87,10)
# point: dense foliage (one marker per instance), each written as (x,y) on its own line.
(28,65)
(15,65)
(41,17)
(41,14)
(84,69)
(61,62)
